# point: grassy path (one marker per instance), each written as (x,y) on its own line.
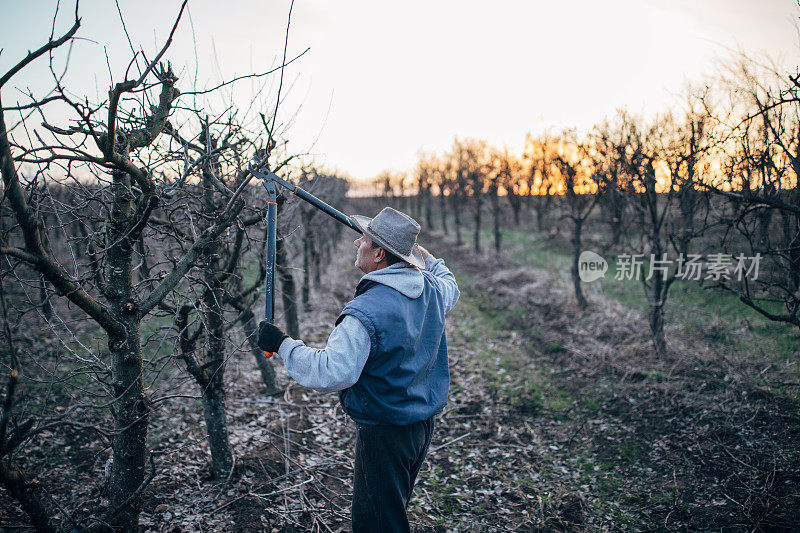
(716,316)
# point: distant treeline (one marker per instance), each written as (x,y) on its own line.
(717,174)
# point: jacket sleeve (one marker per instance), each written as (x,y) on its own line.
(447,281)
(333,368)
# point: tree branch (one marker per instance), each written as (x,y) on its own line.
(155,122)
(224,220)
(128,85)
(50,45)
(34,243)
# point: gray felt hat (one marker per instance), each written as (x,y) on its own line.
(393,231)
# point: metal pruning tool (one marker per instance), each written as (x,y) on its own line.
(270,181)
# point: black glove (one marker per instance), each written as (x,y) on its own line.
(270,336)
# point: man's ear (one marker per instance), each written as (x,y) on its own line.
(380,255)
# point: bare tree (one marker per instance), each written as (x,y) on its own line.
(425,172)
(514,184)
(458,189)
(13,433)
(540,175)
(609,143)
(443,179)
(217,157)
(761,146)
(470,157)
(131,197)
(580,187)
(663,164)
(120,176)
(504,175)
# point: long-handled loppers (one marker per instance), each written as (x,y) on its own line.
(270,182)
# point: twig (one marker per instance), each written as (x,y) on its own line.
(280,83)
(245,76)
(270,482)
(448,443)
(50,45)
(155,61)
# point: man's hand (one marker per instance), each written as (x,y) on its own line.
(422,251)
(270,336)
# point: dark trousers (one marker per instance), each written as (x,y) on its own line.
(388,459)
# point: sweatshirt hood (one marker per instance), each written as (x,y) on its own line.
(402,277)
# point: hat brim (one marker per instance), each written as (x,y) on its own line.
(414,259)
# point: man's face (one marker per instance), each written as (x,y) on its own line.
(365,256)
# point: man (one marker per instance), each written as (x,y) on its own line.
(387,357)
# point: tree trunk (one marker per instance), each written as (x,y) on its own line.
(428,208)
(496,212)
(306,286)
(316,260)
(657,291)
(616,230)
(576,252)
(443,208)
(764,217)
(130,407)
(656,316)
(477,236)
(288,292)
(217,428)
(144,269)
(515,206)
(541,208)
(791,236)
(47,308)
(83,236)
(457,216)
(264,365)
(214,390)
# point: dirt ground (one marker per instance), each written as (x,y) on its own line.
(559,419)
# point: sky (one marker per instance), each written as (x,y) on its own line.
(382,81)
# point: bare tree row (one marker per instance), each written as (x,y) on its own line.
(132,244)
(710,186)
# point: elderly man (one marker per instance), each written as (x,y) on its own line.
(387,357)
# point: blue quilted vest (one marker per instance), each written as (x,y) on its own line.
(406,377)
